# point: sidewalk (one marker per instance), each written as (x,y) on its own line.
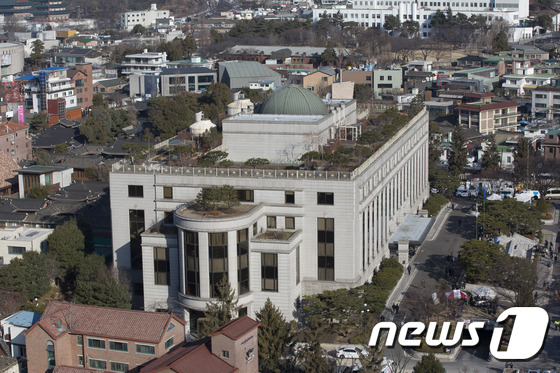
(406,280)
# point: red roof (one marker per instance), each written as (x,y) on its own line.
(194,357)
(490,106)
(547,89)
(237,328)
(8,127)
(104,321)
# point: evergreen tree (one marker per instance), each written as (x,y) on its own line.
(96,285)
(521,156)
(222,310)
(43,158)
(458,153)
(491,157)
(313,357)
(500,42)
(275,337)
(429,364)
(36,53)
(28,275)
(66,245)
(416,106)
(392,23)
(328,57)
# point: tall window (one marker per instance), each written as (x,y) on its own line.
(135,191)
(119,367)
(297,265)
(290,222)
(218,255)
(118,346)
(168,192)
(97,364)
(271,222)
(246,195)
(243,261)
(136,219)
(50,355)
(161,266)
(325,198)
(269,272)
(192,281)
(325,248)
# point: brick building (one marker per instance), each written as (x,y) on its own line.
(232,348)
(551,145)
(480,112)
(15,141)
(101,338)
(82,77)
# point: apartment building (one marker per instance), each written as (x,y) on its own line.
(99,338)
(81,76)
(15,141)
(13,328)
(388,80)
(296,232)
(189,79)
(146,18)
(145,63)
(487,117)
(551,145)
(545,102)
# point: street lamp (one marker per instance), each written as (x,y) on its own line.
(365,312)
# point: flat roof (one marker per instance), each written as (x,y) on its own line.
(414,228)
(24,318)
(37,169)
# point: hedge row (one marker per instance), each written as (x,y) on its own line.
(434,204)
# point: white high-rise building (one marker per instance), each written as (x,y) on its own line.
(296,232)
(372,13)
(146,18)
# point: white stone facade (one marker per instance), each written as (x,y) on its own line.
(372,13)
(146,18)
(367,206)
(14,241)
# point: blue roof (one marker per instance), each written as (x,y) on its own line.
(28,77)
(24,318)
(54,68)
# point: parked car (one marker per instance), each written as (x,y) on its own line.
(350,353)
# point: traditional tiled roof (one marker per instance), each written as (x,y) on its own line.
(8,127)
(190,357)
(104,322)
(67,369)
(237,328)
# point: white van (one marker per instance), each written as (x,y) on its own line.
(553,193)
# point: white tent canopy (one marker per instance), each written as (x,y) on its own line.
(524,197)
(495,197)
(485,291)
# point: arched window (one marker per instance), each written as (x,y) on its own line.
(50,354)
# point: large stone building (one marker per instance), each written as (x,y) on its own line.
(145,18)
(297,232)
(373,13)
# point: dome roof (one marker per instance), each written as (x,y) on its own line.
(294,100)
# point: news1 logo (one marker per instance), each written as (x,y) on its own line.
(526,340)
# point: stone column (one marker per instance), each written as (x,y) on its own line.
(403,252)
(181,245)
(204,265)
(232,260)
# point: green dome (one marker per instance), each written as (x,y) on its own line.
(294,100)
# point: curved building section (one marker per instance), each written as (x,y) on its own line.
(293,100)
(296,232)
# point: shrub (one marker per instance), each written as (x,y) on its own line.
(61,149)
(543,206)
(39,191)
(434,204)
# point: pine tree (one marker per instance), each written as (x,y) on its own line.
(491,157)
(221,311)
(429,364)
(275,337)
(521,156)
(458,154)
(416,106)
(66,245)
(313,357)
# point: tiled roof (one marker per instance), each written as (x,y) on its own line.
(237,328)
(547,89)
(7,128)
(104,321)
(490,106)
(192,357)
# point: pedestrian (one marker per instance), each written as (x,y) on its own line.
(409,268)
(536,296)
(555,258)
(382,318)
(556,324)
(453,206)
(459,222)
(423,284)
(396,309)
